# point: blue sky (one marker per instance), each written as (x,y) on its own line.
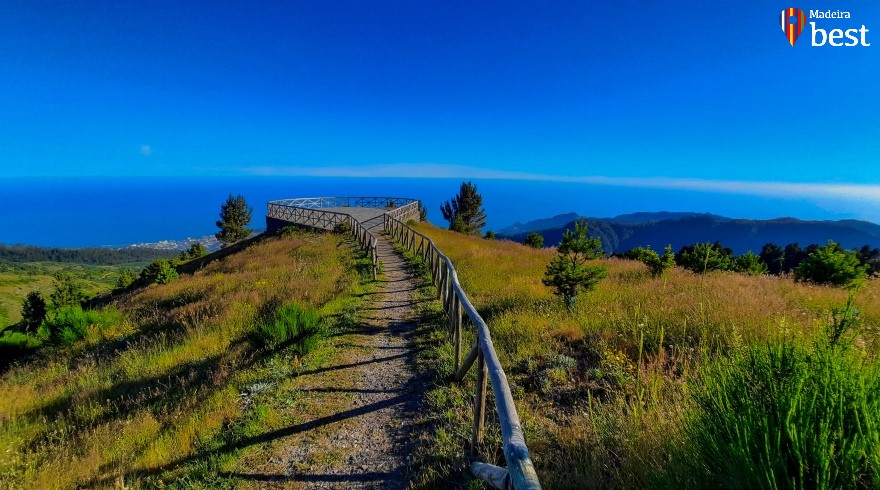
(689,95)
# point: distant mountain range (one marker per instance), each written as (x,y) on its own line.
(624,232)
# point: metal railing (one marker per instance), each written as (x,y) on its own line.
(346,202)
(307,211)
(520,472)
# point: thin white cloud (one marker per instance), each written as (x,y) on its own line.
(810,191)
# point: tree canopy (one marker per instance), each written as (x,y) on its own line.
(568,273)
(465,212)
(534,240)
(33,311)
(833,265)
(235,215)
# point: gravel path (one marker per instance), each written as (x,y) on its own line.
(369,443)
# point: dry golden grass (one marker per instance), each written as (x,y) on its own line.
(603,386)
(165,383)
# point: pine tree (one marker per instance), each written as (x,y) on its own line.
(33,311)
(465,212)
(568,273)
(235,214)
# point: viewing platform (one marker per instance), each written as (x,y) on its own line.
(328,212)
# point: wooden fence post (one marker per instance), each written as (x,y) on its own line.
(457,334)
(479,402)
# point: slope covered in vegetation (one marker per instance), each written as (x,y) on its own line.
(165,391)
(19,279)
(647,379)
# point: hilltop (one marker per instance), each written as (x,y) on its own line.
(607,390)
(624,232)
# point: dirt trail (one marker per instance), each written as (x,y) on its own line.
(364,443)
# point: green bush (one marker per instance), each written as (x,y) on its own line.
(750,264)
(342,228)
(833,265)
(534,240)
(657,264)
(784,416)
(126,279)
(68,324)
(291,324)
(161,271)
(490,235)
(705,257)
(67,291)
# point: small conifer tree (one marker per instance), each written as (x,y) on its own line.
(33,311)
(235,215)
(569,273)
(465,212)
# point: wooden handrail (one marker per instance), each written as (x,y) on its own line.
(366,239)
(520,472)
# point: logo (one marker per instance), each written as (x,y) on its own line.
(792,21)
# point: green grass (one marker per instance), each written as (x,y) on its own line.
(19,279)
(178,386)
(291,323)
(603,389)
(781,415)
(439,460)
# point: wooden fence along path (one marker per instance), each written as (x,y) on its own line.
(329,212)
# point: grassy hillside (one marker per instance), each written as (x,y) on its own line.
(19,279)
(610,393)
(167,392)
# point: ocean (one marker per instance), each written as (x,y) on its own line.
(81,212)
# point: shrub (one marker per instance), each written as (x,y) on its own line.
(68,324)
(833,265)
(490,235)
(705,257)
(657,264)
(534,240)
(568,272)
(785,416)
(33,311)
(126,279)
(67,291)
(289,231)
(291,324)
(750,264)
(342,228)
(161,271)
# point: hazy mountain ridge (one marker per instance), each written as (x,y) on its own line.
(657,230)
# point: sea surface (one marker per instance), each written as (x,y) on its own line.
(83,212)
